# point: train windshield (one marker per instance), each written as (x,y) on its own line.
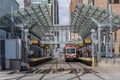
(70,51)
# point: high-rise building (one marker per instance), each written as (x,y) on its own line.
(27,3)
(104,4)
(74,2)
(72,5)
(55,12)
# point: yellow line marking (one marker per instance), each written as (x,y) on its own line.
(38,59)
(86,59)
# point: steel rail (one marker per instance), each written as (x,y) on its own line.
(35,71)
(47,71)
(77,76)
(92,71)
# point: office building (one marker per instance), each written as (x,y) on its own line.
(55,12)
(72,5)
(104,4)
(27,3)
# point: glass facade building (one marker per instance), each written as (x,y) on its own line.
(27,3)
(56,12)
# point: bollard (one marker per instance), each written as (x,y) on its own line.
(61,65)
(93,62)
(56,65)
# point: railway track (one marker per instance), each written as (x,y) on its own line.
(76,69)
(46,71)
(69,69)
(75,72)
(35,70)
(88,70)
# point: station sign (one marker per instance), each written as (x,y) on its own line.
(42,45)
(87,41)
(46,47)
(81,44)
(34,41)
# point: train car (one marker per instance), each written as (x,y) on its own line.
(70,53)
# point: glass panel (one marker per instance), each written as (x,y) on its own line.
(71,51)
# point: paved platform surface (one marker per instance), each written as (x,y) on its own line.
(106,73)
(109,62)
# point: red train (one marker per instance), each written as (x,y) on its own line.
(70,53)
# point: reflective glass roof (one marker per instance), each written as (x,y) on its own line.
(34,18)
(82,19)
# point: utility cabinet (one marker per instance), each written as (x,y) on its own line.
(12,53)
(2,54)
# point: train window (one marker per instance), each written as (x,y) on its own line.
(70,51)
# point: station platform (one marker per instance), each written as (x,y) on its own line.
(36,61)
(109,62)
(87,61)
(39,59)
(104,62)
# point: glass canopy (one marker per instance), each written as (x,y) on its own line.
(82,22)
(35,18)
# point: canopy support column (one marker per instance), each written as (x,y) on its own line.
(111,25)
(99,43)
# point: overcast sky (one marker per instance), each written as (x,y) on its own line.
(21,3)
(63,10)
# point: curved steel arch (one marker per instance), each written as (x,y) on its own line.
(81,19)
